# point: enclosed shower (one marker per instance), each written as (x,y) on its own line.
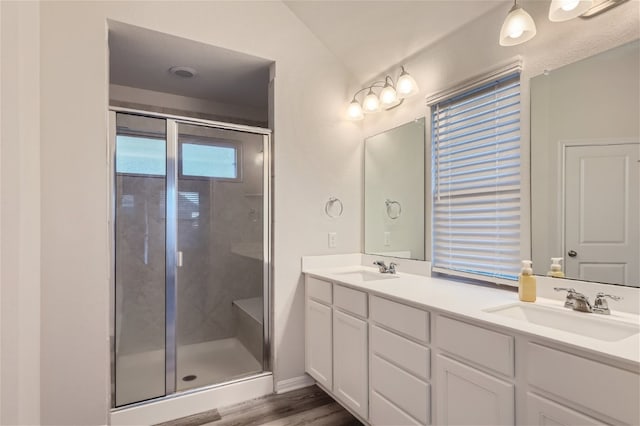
(191,244)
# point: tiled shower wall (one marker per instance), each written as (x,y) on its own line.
(221,240)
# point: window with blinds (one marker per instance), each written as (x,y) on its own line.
(476,181)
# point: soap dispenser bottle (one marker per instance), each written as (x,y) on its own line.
(556,268)
(527,283)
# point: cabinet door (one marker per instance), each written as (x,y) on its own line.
(318,348)
(468,396)
(542,412)
(350,362)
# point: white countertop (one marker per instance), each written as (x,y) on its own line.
(470,301)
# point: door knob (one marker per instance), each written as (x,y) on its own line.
(572,253)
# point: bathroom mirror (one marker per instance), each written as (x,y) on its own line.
(585,182)
(394,192)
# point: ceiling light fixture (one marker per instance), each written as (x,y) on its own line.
(391,95)
(517,27)
(563,10)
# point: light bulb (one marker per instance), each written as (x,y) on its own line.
(371,103)
(354,111)
(406,85)
(563,10)
(517,28)
(388,94)
(570,5)
(516,31)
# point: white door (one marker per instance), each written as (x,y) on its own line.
(602,227)
(350,362)
(466,396)
(318,348)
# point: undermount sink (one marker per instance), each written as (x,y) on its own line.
(365,275)
(589,325)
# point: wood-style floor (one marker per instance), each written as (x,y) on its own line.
(309,406)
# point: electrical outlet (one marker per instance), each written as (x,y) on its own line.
(387,239)
(333,237)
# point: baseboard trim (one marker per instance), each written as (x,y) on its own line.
(295,383)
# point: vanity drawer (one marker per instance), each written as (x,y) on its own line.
(400,388)
(404,319)
(400,351)
(350,300)
(384,413)
(484,347)
(319,289)
(585,382)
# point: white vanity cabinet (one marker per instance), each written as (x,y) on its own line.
(399,391)
(318,331)
(543,412)
(336,342)
(350,343)
(474,370)
(582,388)
(395,364)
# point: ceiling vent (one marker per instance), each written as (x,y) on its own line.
(183,72)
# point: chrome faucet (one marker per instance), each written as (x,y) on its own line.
(579,302)
(384,269)
(600,305)
(568,303)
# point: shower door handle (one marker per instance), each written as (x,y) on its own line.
(179,259)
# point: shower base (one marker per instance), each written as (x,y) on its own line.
(141,376)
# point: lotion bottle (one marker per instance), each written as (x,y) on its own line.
(556,268)
(527,283)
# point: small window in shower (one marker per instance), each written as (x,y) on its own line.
(137,155)
(210,160)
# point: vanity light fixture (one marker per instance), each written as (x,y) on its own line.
(390,95)
(517,27)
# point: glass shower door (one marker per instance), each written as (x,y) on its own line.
(140,224)
(220,262)
(191,256)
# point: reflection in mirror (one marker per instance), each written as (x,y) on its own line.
(585,182)
(394,211)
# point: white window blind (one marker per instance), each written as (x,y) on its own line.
(476,181)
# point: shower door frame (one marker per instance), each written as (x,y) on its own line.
(172,122)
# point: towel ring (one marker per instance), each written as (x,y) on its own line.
(389,203)
(330,203)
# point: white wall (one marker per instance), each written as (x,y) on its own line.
(19,214)
(474,50)
(162,101)
(317,154)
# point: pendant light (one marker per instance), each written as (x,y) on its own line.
(563,10)
(518,27)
